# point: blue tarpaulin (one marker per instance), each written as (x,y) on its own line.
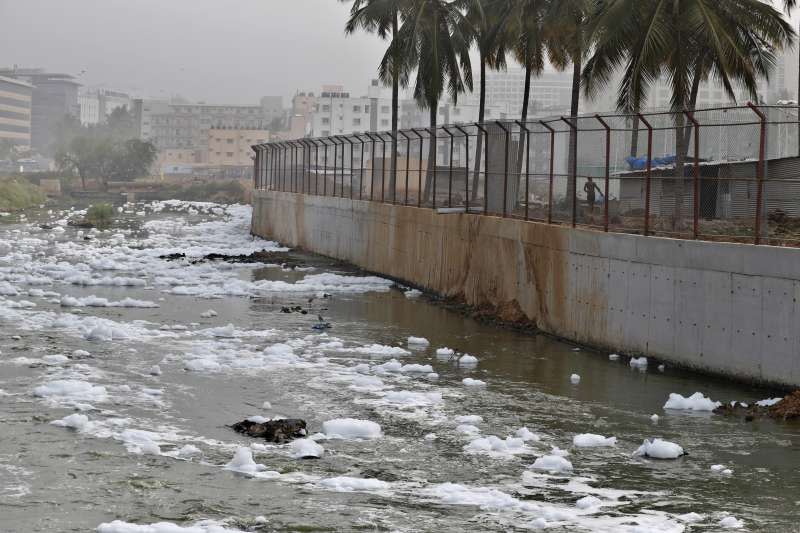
(640,163)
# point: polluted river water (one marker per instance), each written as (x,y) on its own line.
(123,364)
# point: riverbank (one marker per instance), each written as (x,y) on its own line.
(723,308)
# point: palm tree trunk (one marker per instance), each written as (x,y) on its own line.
(683,135)
(523,118)
(635,136)
(395,113)
(572,162)
(479,145)
(434,109)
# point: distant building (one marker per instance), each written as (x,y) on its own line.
(186,127)
(96,105)
(232,147)
(54,96)
(336,112)
(15,111)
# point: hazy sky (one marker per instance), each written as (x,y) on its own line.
(214,50)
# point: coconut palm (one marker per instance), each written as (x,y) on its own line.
(525,35)
(431,43)
(485,24)
(567,41)
(687,42)
(381,17)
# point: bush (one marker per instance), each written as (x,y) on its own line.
(18,194)
(100,215)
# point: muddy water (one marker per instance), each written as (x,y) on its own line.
(131,464)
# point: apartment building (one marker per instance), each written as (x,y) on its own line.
(15,111)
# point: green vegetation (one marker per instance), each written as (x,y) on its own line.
(100,215)
(16,194)
(103,153)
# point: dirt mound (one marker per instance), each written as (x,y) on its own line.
(786,409)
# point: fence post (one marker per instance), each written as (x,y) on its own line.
(383,166)
(648,173)
(608,170)
(324,168)
(255,170)
(505,168)
(466,167)
(393,165)
(485,168)
(341,139)
(522,128)
(294,166)
(552,161)
(350,142)
(760,169)
(419,172)
(316,167)
(696,180)
(360,168)
(450,169)
(408,156)
(278,166)
(574,170)
(372,162)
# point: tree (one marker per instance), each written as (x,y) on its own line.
(485,25)
(381,17)
(526,37)
(431,42)
(104,159)
(688,42)
(120,123)
(567,42)
(131,159)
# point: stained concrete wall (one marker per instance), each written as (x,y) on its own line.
(721,307)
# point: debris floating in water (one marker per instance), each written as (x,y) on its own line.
(575,379)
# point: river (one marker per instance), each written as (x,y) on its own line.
(121,372)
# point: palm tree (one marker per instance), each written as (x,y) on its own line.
(567,42)
(687,42)
(431,42)
(526,38)
(485,24)
(381,17)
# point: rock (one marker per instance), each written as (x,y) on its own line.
(277,431)
(172,257)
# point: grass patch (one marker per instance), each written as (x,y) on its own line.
(100,215)
(16,194)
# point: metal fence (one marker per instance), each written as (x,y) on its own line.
(740,178)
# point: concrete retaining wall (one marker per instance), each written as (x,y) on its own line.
(721,307)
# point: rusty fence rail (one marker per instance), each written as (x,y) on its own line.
(723,173)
